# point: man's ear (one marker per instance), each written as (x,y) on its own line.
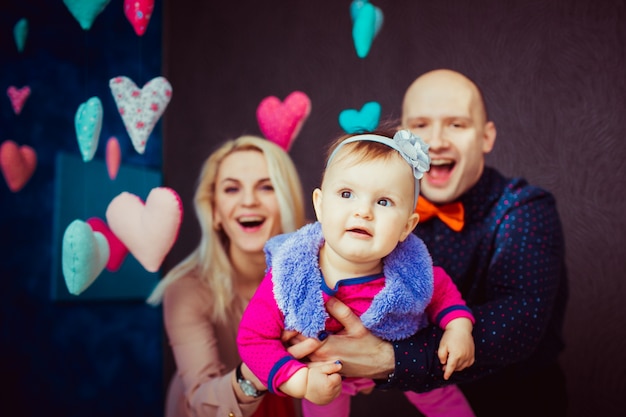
(410,225)
(317,203)
(489,137)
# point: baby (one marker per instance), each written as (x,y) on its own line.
(361,251)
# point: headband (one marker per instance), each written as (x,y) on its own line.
(412,149)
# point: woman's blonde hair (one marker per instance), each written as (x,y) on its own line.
(209,261)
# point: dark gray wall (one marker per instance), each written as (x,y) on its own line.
(554,81)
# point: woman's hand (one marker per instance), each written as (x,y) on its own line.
(361,353)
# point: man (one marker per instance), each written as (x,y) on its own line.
(503,246)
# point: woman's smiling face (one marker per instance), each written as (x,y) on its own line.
(246,207)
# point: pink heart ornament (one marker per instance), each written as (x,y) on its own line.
(148,230)
(18,97)
(142,108)
(138,13)
(84,256)
(18,164)
(117,250)
(281,122)
(113,157)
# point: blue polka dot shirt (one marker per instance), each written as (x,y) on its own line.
(508,263)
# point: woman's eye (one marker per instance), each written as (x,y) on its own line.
(346,194)
(384,202)
(230,190)
(267,187)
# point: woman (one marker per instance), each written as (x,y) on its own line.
(248,191)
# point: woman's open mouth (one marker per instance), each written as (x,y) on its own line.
(251,222)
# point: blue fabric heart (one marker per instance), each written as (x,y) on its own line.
(88,124)
(365,120)
(20,32)
(367,21)
(86,11)
(355,8)
(85,255)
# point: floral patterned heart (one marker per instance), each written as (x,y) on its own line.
(17,163)
(148,229)
(138,13)
(281,122)
(85,253)
(88,124)
(18,97)
(142,108)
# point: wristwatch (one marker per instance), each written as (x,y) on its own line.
(246,386)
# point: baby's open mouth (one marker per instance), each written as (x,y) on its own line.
(360,231)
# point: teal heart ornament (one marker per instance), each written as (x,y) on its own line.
(358,121)
(88,124)
(20,32)
(86,11)
(85,255)
(367,21)
(355,8)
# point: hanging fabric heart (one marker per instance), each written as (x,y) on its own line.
(18,97)
(20,32)
(148,230)
(88,124)
(85,11)
(138,13)
(17,163)
(85,253)
(117,250)
(358,121)
(281,122)
(355,9)
(113,157)
(140,108)
(367,23)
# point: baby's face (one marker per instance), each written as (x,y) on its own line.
(365,207)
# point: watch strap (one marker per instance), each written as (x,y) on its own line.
(250,389)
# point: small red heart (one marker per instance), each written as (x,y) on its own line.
(138,13)
(18,97)
(17,164)
(117,250)
(113,157)
(281,122)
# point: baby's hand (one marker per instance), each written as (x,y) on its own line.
(323,382)
(456,350)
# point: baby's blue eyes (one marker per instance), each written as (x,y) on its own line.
(382,202)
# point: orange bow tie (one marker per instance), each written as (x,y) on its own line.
(451,214)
